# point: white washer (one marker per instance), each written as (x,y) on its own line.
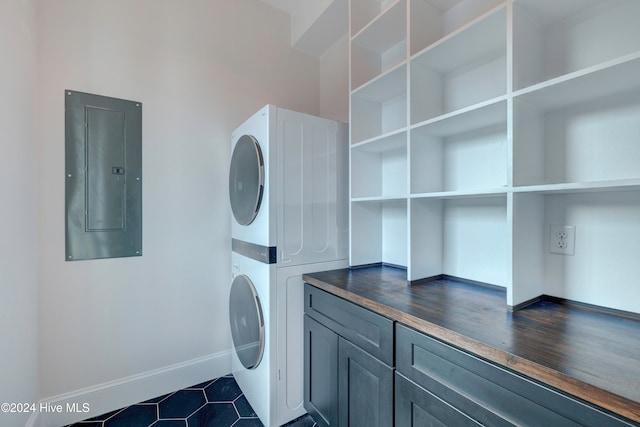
(250,312)
(266,315)
(289,199)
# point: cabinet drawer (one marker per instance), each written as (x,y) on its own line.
(416,407)
(486,392)
(366,329)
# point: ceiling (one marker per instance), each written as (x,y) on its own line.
(315,25)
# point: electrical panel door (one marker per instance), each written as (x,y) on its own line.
(103,167)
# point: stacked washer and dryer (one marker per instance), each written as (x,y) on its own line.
(288,188)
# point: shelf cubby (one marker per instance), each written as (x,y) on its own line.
(555,38)
(465,237)
(572,142)
(379,167)
(468,68)
(432,20)
(461,152)
(380,107)
(379,232)
(607,247)
(380,45)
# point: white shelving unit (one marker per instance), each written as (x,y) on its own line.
(445,151)
(380,106)
(432,21)
(445,76)
(379,231)
(476,125)
(380,45)
(379,167)
(557,38)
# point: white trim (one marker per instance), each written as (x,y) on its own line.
(127,391)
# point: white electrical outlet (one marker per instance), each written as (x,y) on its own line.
(562,239)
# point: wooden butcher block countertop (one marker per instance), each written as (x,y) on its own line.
(589,353)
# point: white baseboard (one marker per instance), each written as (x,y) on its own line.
(127,391)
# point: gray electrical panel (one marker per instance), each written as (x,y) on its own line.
(103,174)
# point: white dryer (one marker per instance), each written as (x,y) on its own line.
(288,190)
(288,186)
(250,178)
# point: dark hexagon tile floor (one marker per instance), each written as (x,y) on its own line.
(218,403)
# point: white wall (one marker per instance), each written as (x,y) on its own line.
(334,81)
(18,215)
(200,68)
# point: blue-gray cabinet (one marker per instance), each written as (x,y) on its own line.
(320,373)
(365,369)
(415,406)
(346,385)
(445,383)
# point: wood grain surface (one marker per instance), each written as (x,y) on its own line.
(587,353)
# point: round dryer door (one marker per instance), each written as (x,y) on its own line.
(246,179)
(247,323)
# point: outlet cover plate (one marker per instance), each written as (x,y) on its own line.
(562,239)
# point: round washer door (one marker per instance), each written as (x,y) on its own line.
(246,180)
(247,323)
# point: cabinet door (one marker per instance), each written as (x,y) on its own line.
(366,388)
(416,407)
(320,373)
